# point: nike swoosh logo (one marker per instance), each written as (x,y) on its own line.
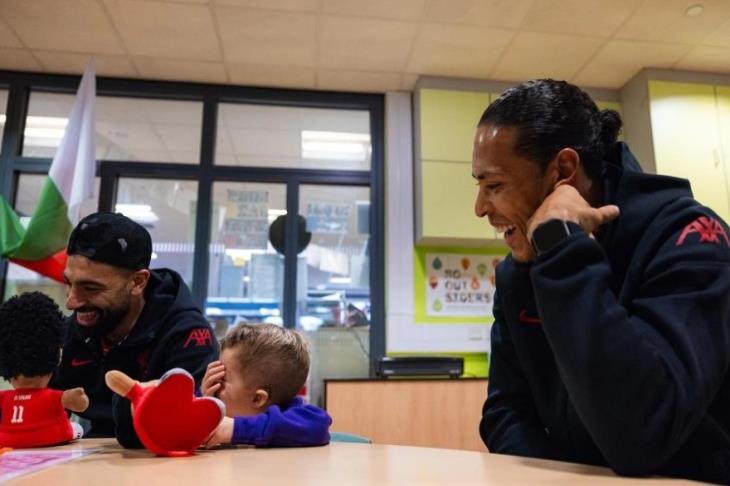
(527,319)
(80,362)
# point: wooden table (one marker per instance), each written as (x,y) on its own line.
(336,464)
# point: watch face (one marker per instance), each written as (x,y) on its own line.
(549,234)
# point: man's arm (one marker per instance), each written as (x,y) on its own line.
(190,346)
(641,377)
(510,424)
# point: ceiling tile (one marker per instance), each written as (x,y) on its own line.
(18,60)
(720,37)
(204,72)
(267,37)
(408,82)
(7,37)
(490,13)
(358,81)
(365,44)
(267,75)
(72,63)
(168,30)
(707,59)
(665,20)
(534,55)
(618,61)
(73,25)
(294,5)
(582,17)
(388,9)
(459,51)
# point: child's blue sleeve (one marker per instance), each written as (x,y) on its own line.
(298,424)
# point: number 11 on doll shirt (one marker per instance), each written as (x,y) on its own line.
(33,417)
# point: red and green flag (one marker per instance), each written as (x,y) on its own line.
(41,245)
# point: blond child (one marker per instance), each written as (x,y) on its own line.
(260,371)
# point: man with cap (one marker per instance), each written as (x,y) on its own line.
(125,317)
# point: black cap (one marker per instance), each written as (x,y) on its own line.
(111,238)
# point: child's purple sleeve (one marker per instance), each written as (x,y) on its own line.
(298,424)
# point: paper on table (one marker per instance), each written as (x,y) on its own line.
(17,463)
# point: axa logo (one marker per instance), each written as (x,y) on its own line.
(200,337)
(709,229)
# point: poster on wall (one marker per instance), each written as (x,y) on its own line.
(328,217)
(459,285)
(246,224)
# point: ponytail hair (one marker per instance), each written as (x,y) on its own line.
(552,115)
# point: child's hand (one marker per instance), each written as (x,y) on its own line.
(212,379)
(221,435)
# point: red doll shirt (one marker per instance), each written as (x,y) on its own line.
(33,417)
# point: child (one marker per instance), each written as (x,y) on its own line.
(261,368)
(32,415)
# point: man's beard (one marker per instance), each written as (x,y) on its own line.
(108,320)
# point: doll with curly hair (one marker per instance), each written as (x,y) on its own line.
(32,415)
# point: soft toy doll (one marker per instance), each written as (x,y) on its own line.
(33,415)
(168,418)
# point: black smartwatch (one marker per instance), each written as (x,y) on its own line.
(548,234)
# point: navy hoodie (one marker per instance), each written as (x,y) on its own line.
(171,332)
(615,351)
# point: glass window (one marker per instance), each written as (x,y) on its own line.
(334,303)
(129,129)
(311,138)
(167,209)
(20,279)
(3,110)
(246,277)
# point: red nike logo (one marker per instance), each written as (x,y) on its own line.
(80,362)
(529,319)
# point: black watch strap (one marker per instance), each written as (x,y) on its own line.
(548,234)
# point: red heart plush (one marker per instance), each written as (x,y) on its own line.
(169,419)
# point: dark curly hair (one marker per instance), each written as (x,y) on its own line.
(552,115)
(32,329)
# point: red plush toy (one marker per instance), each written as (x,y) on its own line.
(31,335)
(36,417)
(168,418)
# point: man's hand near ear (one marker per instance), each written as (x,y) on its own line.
(566,203)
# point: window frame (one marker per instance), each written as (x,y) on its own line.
(206,172)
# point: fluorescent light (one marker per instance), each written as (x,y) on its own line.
(141,213)
(46,122)
(315,135)
(153,256)
(340,280)
(335,145)
(43,131)
(242,253)
(134,208)
(44,126)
